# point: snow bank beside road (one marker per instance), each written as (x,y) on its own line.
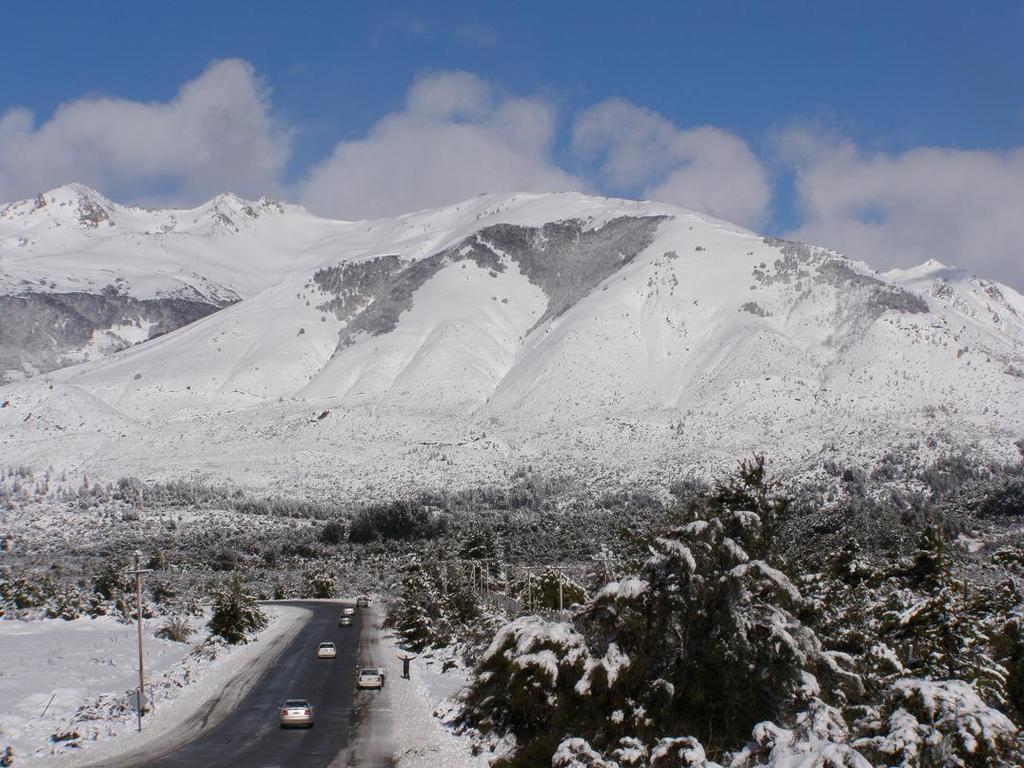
(91,664)
(421,739)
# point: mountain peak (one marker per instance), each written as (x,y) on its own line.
(72,203)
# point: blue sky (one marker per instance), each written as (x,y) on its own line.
(831,121)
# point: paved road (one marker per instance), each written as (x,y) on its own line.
(251,737)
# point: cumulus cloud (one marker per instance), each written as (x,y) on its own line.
(705,168)
(217,133)
(962,207)
(457,136)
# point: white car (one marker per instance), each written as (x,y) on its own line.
(296,712)
(370,678)
(348,610)
(326,651)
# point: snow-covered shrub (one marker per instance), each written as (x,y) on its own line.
(397,521)
(680,752)
(926,723)
(816,740)
(333,532)
(67,604)
(525,680)
(712,637)
(577,753)
(547,591)
(704,641)
(1009,648)
(630,753)
(177,629)
(1006,500)
(32,594)
(320,584)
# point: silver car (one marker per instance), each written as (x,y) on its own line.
(296,712)
(326,651)
(370,678)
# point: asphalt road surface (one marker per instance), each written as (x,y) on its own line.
(251,736)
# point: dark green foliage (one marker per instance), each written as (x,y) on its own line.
(417,615)
(320,585)
(1008,648)
(1007,500)
(548,590)
(438,605)
(399,520)
(751,489)
(929,565)
(113,580)
(850,566)
(333,533)
(703,641)
(236,614)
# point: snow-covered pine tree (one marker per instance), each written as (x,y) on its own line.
(416,615)
(703,642)
(236,614)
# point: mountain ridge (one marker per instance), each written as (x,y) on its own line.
(562,331)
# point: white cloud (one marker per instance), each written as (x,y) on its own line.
(705,168)
(216,134)
(456,137)
(961,207)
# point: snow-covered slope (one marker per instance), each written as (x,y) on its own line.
(599,337)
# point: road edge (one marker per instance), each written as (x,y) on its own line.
(373,736)
(208,715)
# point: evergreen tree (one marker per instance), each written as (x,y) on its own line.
(416,615)
(850,566)
(929,563)
(320,584)
(751,489)
(236,614)
(703,641)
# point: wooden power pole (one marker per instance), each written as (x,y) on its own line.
(139,570)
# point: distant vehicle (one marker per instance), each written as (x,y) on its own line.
(363,602)
(326,651)
(345,621)
(296,712)
(370,678)
(348,610)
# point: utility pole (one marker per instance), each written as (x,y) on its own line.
(560,610)
(139,570)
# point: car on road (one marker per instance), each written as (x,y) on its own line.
(296,712)
(344,621)
(326,651)
(370,678)
(348,610)
(363,602)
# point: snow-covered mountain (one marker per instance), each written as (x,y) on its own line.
(604,338)
(82,277)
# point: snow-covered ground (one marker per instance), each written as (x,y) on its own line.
(61,677)
(422,740)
